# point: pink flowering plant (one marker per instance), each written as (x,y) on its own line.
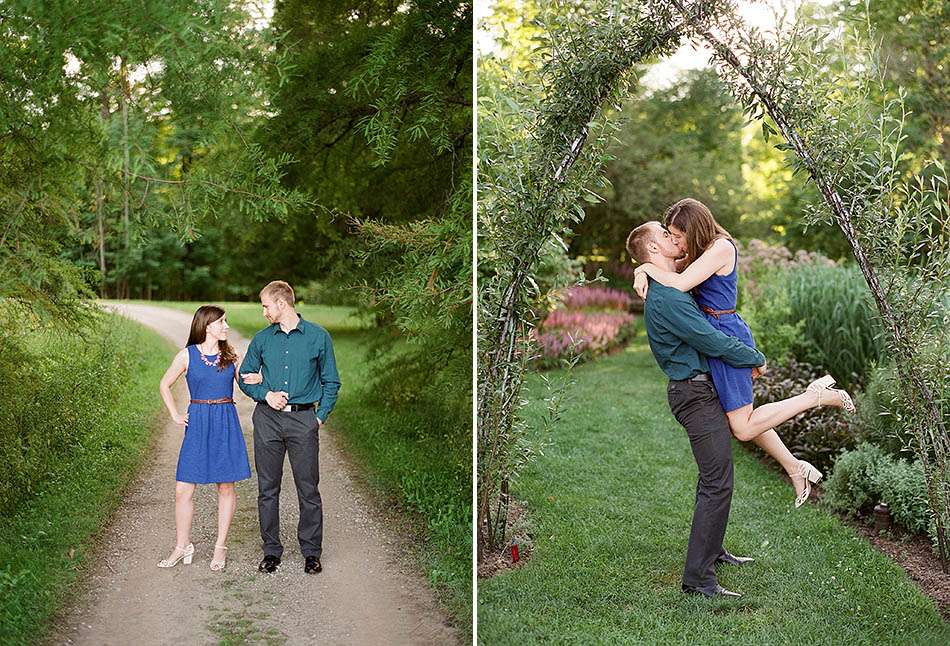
(590,322)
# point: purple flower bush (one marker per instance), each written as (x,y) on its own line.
(590,322)
(620,276)
(596,299)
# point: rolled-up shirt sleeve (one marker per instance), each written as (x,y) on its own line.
(252,363)
(329,379)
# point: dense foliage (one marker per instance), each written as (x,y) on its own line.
(867,476)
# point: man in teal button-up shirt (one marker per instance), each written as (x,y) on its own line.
(681,338)
(299,388)
(297,363)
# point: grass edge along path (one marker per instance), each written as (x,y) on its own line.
(44,544)
(609,506)
(413,474)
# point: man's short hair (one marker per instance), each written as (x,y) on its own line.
(638,240)
(278,289)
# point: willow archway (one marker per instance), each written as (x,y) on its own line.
(828,132)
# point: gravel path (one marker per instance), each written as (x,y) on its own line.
(367,593)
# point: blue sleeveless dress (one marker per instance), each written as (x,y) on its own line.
(734,385)
(213,448)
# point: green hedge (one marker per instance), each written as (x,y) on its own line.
(868,475)
(76,414)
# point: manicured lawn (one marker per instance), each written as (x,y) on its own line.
(609,506)
(44,540)
(425,479)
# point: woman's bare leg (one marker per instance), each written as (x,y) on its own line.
(748,423)
(772,444)
(184,510)
(227,501)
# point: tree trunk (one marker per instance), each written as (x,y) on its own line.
(124,96)
(101,198)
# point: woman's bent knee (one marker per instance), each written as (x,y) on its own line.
(743,434)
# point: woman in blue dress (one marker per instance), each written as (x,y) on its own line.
(710,270)
(212,449)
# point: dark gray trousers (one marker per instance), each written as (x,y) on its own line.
(696,406)
(295,434)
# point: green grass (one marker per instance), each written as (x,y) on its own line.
(45,539)
(431,480)
(431,483)
(609,506)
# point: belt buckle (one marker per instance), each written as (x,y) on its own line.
(287,408)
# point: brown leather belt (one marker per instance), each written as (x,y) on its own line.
(223,400)
(716,313)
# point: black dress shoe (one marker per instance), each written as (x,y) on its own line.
(731,559)
(718,591)
(312,565)
(269,564)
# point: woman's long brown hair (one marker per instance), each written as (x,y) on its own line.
(694,219)
(206,315)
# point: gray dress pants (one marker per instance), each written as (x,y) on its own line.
(294,433)
(696,406)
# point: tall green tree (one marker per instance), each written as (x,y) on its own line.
(685,140)
(377,115)
(118,116)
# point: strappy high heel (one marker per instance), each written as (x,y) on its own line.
(811,475)
(217,566)
(825,384)
(185,557)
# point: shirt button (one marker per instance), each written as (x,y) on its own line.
(285,383)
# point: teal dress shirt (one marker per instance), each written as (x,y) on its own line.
(299,362)
(681,338)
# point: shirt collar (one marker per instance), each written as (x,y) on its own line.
(298,328)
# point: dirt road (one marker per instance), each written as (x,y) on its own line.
(366,594)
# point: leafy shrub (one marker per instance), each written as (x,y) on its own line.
(882,416)
(868,475)
(852,486)
(591,322)
(769,317)
(817,435)
(50,410)
(903,489)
